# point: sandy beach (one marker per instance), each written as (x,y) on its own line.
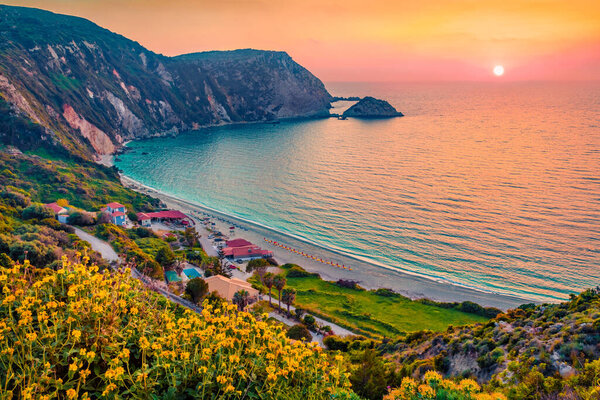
(369,275)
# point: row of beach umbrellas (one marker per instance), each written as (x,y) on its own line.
(301,253)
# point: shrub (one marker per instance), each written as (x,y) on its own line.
(309,320)
(349,284)
(299,332)
(434,387)
(75,333)
(82,218)
(298,272)
(384,292)
(38,211)
(334,343)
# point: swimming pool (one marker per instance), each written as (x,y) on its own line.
(172,277)
(191,273)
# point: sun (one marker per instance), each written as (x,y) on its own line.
(498,70)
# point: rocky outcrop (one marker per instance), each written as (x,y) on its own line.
(54,62)
(99,140)
(370,107)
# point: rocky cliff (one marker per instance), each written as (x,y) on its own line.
(370,107)
(90,89)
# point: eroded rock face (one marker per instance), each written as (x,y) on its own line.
(57,62)
(99,140)
(370,107)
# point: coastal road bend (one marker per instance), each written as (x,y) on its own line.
(99,245)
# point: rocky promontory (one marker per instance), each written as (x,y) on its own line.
(370,107)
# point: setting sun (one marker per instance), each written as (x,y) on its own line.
(498,70)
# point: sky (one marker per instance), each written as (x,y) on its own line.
(370,40)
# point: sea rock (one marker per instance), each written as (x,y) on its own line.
(370,107)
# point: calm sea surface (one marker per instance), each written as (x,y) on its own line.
(493,186)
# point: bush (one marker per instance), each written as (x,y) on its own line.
(349,284)
(299,332)
(81,218)
(298,272)
(38,211)
(334,343)
(384,292)
(309,321)
(434,386)
(74,331)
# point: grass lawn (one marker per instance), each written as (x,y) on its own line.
(365,312)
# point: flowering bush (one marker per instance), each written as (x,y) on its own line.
(434,387)
(77,333)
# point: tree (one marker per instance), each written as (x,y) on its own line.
(191,236)
(370,379)
(299,332)
(279,283)
(165,256)
(241,298)
(288,296)
(259,265)
(197,288)
(268,282)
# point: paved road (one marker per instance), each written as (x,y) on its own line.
(102,247)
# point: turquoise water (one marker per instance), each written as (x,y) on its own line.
(493,186)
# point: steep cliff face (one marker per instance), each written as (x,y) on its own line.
(93,89)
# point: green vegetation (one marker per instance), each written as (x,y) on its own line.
(368,312)
(74,333)
(83,184)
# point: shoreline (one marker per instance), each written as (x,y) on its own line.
(368,274)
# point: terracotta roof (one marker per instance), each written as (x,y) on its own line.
(115,205)
(247,251)
(227,288)
(118,214)
(172,214)
(55,207)
(143,216)
(238,243)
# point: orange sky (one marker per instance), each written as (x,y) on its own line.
(370,40)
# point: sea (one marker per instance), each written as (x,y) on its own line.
(493,186)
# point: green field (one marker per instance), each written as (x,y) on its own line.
(365,312)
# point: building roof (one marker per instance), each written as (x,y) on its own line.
(227,288)
(115,205)
(247,251)
(118,214)
(56,208)
(171,214)
(238,243)
(143,216)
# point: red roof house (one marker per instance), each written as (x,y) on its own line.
(56,208)
(246,252)
(238,243)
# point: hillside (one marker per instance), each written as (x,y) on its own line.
(90,89)
(77,333)
(549,351)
